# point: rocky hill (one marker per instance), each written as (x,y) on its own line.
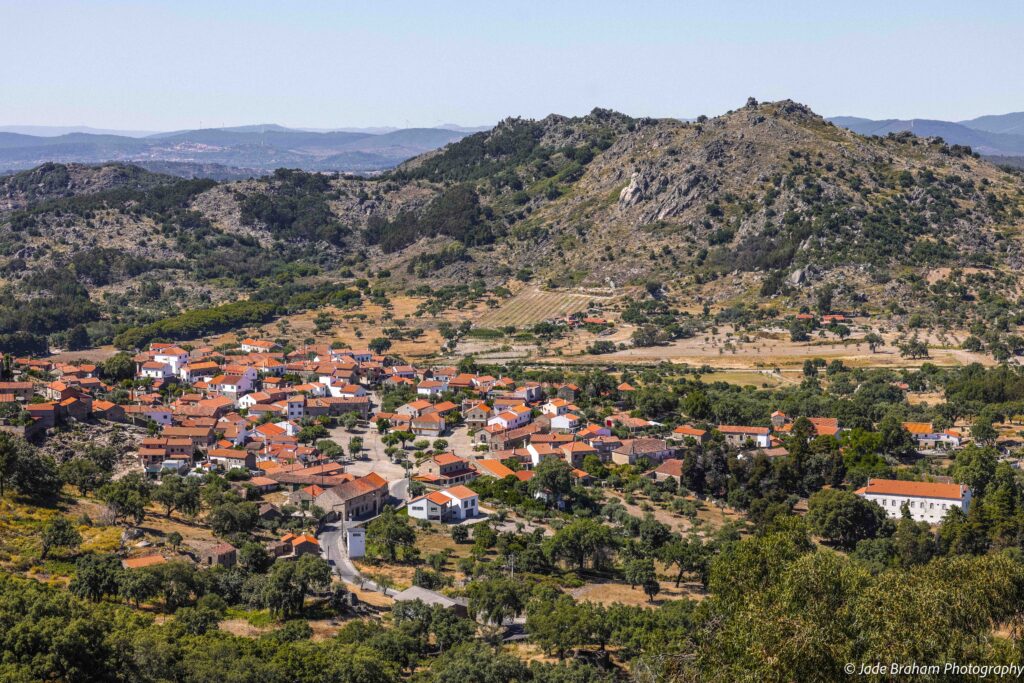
(766,203)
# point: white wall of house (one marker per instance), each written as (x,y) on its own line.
(930,510)
(465,508)
(425,508)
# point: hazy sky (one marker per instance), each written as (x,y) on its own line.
(179,63)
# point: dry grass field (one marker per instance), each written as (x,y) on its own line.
(532,305)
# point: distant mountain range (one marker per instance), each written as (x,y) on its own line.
(224,153)
(995,136)
(243,151)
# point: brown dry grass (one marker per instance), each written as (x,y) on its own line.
(609,593)
(436,539)
(712,517)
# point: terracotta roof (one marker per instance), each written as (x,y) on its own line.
(919,427)
(672,467)
(438,498)
(461,492)
(304,538)
(578,447)
(919,489)
(734,429)
(493,467)
(687,430)
(447,459)
(144,561)
(375,479)
(823,426)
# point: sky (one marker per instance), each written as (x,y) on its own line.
(187,64)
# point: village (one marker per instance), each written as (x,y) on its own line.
(330,438)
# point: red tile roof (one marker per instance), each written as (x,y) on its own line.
(919,489)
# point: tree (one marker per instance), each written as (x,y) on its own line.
(59,533)
(84,474)
(138,586)
(823,300)
(178,583)
(689,555)
(895,440)
(389,533)
(339,600)
(23,468)
(493,601)
(460,534)
(176,493)
(982,430)
(126,497)
(448,629)
(479,663)
(583,539)
(976,467)
(350,421)
(843,518)
(118,367)
(379,345)
(913,348)
(556,624)
(651,587)
(874,341)
(175,539)
(231,517)
(96,576)
(637,571)
(553,478)
(254,557)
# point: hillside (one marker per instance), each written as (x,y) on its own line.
(766,204)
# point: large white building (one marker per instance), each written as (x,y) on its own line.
(927,501)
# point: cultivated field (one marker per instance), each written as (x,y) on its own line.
(532,305)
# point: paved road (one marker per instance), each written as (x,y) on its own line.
(332,547)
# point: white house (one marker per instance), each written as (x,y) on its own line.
(247,373)
(465,502)
(566,422)
(511,418)
(257,346)
(739,435)
(431,387)
(347,391)
(155,369)
(174,356)
(452,504)
(159,414)
(530,391)
(927,501)
(434,506)
(231,386)
(556,406)
(249,400)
